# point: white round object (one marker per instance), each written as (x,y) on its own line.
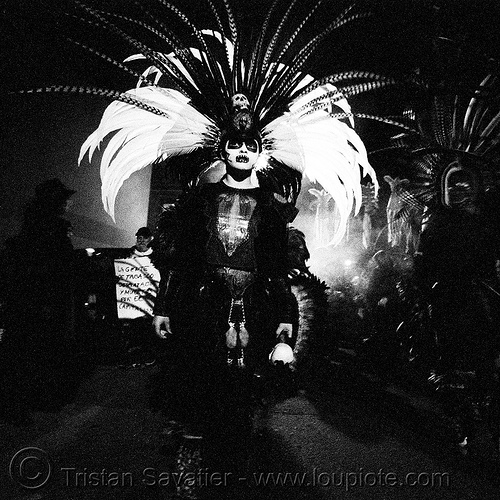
(281,352)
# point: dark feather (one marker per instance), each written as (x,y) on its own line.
(113,94)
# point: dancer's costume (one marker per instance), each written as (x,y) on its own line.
(224,274)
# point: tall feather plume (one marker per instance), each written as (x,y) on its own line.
(255,67)
(154,57)
(209,61)
(227,60)
(266,60)
(290,77)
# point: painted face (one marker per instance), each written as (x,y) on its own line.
(239,102)
(242,154)
(460,189)
(460,193)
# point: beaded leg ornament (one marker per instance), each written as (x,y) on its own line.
(237,336)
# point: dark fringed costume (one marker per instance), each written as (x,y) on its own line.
(225,289)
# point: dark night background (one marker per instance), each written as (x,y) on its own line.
(41,134)
(351,420)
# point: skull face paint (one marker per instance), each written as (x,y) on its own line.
(242,154)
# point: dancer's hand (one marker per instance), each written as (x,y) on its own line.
(162,326)
(284,328)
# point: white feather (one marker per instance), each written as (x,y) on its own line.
(141,137)
(324,149)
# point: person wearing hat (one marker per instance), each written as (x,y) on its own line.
(40,275)
(142,247)
(53,192)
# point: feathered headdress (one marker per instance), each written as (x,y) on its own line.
(192,71)
(453,126)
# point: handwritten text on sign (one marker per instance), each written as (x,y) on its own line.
(136,288)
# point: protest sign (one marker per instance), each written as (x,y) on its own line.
(136,287)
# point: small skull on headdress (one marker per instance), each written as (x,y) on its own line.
(240,102)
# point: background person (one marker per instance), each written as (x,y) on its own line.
(40,276)
(139,336)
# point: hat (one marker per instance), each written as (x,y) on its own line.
(145,232)
(53,189)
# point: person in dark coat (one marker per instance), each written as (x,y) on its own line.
(39,274)
(455,266)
